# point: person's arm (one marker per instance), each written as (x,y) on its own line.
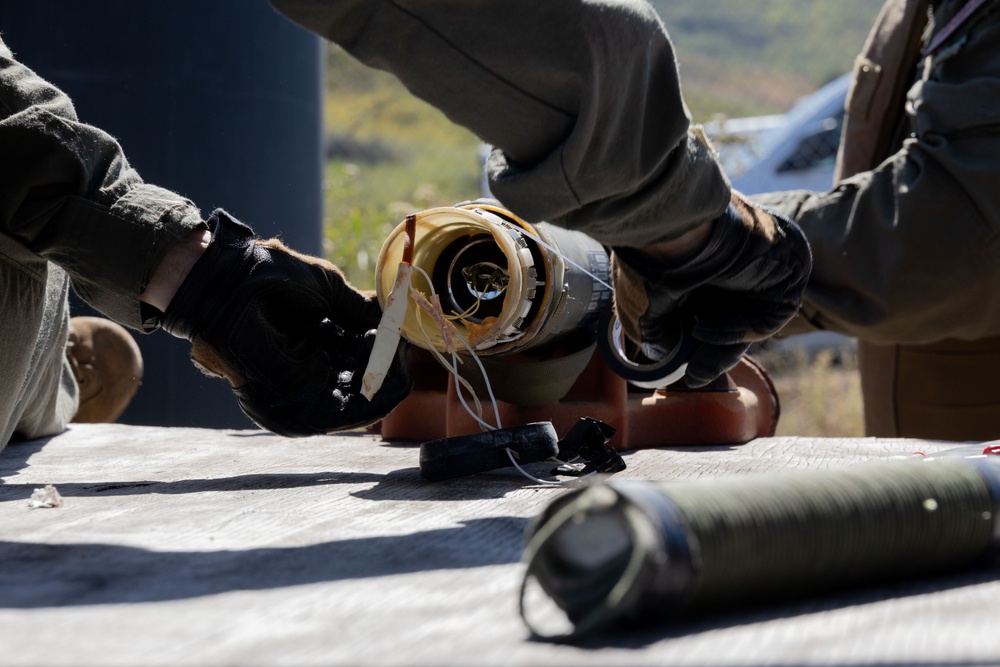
(910,251)
(582,103)
(287,331)
(68,193)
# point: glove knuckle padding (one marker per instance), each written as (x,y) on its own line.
(288,326)
(269,336)
(328,280)
(741,287)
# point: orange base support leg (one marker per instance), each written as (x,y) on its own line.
(740,407)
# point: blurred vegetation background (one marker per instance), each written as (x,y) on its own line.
(757,57)
(389,153)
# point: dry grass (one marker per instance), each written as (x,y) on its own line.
(820,395)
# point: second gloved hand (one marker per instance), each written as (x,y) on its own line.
(741,287)
(286,330)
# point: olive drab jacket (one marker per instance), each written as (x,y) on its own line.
(71,198)
(907,244)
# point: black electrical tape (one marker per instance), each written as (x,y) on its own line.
(669,551)
(482,452)
(647,374)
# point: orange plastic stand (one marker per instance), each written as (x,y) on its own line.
(744,408)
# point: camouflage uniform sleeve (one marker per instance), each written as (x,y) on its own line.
(909,252)
(580,100)
(69,194)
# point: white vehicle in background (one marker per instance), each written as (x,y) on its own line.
(793,151)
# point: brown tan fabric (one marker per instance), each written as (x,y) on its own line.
(907,245)
(951,389)
(908,252)
(873,102)
(947,390)
(882,76)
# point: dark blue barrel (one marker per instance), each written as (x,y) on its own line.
(219,100)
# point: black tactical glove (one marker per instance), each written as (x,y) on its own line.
(742,287)
(287,330)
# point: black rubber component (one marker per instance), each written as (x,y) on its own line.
(648,374)
(482,452)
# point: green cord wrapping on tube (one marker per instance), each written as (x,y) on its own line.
(677,548)
(769,538)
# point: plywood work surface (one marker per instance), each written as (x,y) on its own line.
(198,547)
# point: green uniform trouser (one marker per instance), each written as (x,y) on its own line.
(40,394)
(71,208)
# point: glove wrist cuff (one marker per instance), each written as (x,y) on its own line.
(200,298)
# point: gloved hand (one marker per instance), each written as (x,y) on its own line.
(741,287)
(287,330)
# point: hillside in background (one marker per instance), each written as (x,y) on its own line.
(390,154)
(757,56)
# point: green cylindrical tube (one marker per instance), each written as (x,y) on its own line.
(649,551)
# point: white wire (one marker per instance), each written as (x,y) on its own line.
(566,259)
(546,482)
(486,379)
(453,369)
(461,399)
(489,388)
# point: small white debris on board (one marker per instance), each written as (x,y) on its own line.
(45,497)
